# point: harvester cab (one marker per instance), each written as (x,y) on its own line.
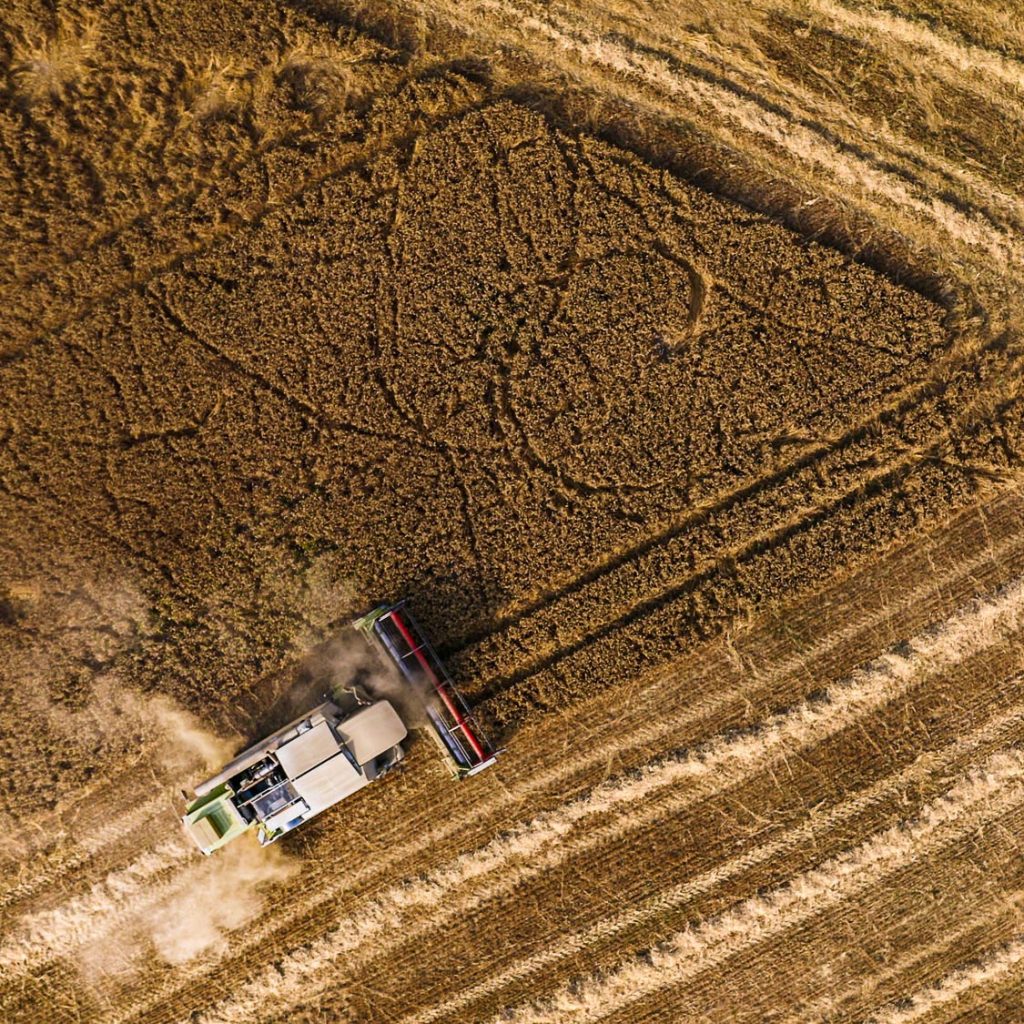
(393,631)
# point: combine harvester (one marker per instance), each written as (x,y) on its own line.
(339,747)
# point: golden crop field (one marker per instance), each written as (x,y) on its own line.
(665,355)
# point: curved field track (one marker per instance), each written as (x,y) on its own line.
(666,356)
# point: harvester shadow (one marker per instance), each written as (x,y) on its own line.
(456,611)
(457,606)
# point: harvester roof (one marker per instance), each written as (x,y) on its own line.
(307,750)
(372,730)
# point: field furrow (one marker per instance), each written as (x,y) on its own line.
(990,792)
(954,993)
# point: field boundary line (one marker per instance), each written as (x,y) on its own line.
(804,139)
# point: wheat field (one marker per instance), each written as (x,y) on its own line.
(666,356)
